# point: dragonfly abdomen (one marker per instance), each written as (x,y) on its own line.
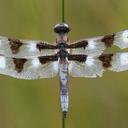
(63,74)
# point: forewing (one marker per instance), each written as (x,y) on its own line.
(96,46)
(34,68)
(25,48)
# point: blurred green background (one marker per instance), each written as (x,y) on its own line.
(94,103)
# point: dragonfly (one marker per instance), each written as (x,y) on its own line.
(31,59)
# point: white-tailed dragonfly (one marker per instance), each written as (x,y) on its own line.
(28,59)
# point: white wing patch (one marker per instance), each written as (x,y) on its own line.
(2,62)
(90,61)
(95,47)
(91,68)
(120,62)
(35,63)
(32,47)
(121,39)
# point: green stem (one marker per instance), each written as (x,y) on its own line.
(63,11)
(63,120)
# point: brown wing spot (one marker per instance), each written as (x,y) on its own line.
(41,46)
(106,60)
(108,40)
(43,60)
(46,59)
(15,44)
(80,58)
(19,64)
(79,44)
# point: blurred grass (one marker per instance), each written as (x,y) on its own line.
(94,103)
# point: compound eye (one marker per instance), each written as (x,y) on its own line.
(61,28)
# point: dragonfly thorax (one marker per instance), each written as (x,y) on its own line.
(62,45)
(62,54)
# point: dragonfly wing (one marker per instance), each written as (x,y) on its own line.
(33,68)
(25,48)
(95,46)
(95,66)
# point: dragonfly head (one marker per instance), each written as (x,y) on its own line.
(61,28)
